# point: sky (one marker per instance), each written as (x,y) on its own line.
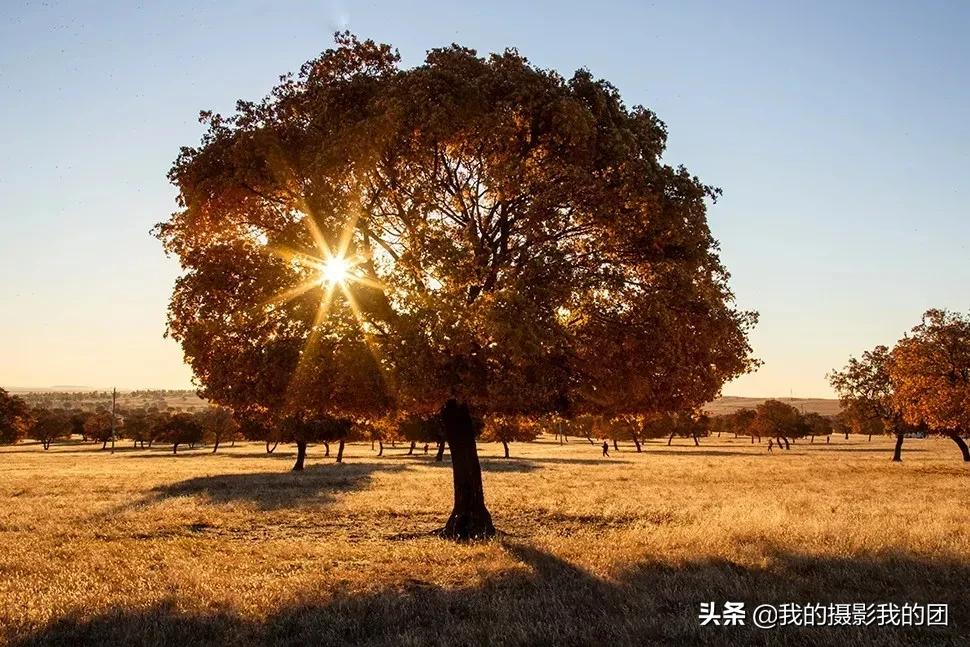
(837,130)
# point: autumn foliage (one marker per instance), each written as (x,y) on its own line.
(510,244)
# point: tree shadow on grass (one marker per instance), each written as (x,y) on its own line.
(275,490)
(885,449)
(545,600)
(698,451)
(546,460)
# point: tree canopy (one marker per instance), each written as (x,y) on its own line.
(15,418)
(930,373)
(474,233)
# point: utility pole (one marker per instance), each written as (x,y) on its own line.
(114,397)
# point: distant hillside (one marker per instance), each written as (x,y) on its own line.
(67,388)
(730,404)
(91,399)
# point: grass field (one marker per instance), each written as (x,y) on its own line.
(141,547)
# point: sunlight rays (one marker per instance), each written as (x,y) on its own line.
(334,269)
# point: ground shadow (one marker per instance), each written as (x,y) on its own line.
(548,601)
(274,490)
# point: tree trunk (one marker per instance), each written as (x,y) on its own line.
(175,448)
(590,440)
(104,444)
(670,440)
(787,444)
(847,435)
(441,452)
(955,437)
(326,449)
(216,446)
(752,439)
(506,446)
(469,517)
(340,451)
(697,443)
(897,452)
(411,449)
(300,456)
(812,441)
(870,438)
(636,441)
(828,439)
(381,445)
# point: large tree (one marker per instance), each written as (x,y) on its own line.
(471,237)
(930,373)
(15,418)
(866,394)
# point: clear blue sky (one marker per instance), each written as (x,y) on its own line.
(839,131)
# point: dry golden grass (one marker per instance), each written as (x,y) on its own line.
(141,547)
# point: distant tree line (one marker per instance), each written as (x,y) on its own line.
(919,386)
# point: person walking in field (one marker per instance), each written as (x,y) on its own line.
(771,444)
(606,449)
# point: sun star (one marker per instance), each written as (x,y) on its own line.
(335,270)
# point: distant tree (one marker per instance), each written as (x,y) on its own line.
(380,431)
(181,429)
(142,425)
(472,234)
(303,431)
(930,373)
(49,425)
(559,427)
(818,425)
(582,426)
(424,429)
(779,420)
(629,428)
(741,421)
(78,419)
(626,428)
(218,425)
(507,429)
(857,420)
(683,425)
(15,418)
(721,424)
(866,393)
(260,428)
(99,426)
